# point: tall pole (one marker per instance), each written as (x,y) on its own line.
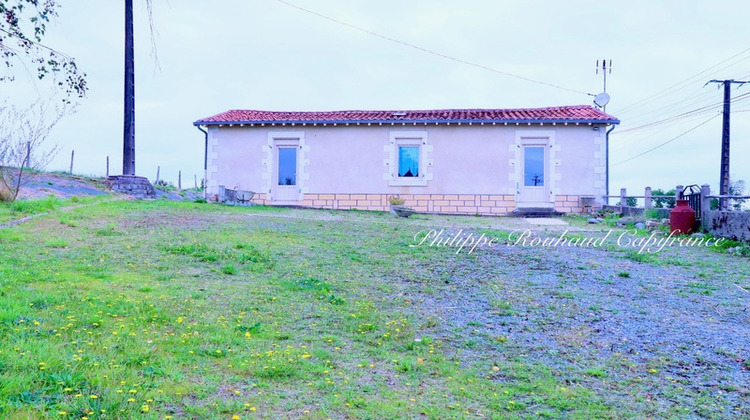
(128,152)
(724,176)
(605,69)
(725,129)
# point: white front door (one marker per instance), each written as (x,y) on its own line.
(533,185)
(286,189)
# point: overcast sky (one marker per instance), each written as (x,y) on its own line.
(263,54)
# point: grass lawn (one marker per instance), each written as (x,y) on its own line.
(180,310)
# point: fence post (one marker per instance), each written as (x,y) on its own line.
(28,155)
(647,200)
(72,155)
(179,180)
(158,169)
(705,205)
(678,192)
(623,200)
(107,166)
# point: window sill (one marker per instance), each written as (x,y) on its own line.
(408,182)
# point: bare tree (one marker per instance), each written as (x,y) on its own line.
(23,132)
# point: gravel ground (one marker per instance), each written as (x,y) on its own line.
(43,184)
(669,328)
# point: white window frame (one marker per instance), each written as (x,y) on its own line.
(408,138)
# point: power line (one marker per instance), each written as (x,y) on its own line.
(666,142)
(696,111)
(646,139)
(428,51)
(666,91)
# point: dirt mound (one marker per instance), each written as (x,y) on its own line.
(44,184)
(61,185)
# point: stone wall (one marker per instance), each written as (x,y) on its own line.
(570,204)
(467,204)
(728,224)
(636,211)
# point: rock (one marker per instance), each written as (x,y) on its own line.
(594,221)
(697,235)
(640,225)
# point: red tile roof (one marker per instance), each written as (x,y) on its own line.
(561,114)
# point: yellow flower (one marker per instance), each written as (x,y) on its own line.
(235,417)
(144,408)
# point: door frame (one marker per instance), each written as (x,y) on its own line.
(545,138)
(277,140)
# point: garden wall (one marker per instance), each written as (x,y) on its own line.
(728,224)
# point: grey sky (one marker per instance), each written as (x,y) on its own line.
(262,54)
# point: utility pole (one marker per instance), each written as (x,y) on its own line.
(128,153)
(724,176)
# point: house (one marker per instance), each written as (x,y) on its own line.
(454,161)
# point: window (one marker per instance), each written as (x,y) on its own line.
(408,161)
(533,164)
(287,166)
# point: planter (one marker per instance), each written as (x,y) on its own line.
(402,211)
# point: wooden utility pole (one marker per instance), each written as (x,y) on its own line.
(724,176)
(72,155)
(128,152)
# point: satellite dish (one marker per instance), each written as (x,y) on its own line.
(601,100)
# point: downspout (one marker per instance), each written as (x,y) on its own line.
(607,154)
(205,161)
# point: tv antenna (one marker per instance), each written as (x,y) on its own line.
(601,100)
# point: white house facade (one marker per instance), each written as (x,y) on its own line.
(456,161)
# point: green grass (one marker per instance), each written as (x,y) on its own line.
(156,309)
(22,208)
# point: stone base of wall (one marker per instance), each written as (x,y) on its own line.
(467,204)
(572,204)
(728,224)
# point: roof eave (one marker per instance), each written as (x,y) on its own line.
(466,121)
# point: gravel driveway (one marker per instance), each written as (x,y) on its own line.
(644,330)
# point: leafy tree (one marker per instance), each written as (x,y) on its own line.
(735,188)
(664,203)
(23,24)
